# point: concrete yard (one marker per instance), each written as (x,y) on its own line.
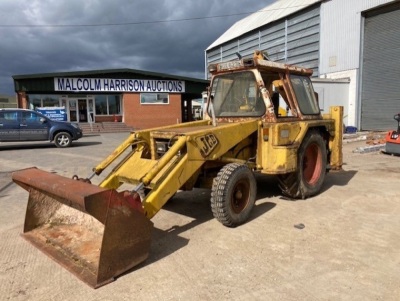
(340,245)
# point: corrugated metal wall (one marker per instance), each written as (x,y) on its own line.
(380,92)
(341,33)
(292,40)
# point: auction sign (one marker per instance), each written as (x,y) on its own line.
(54,113)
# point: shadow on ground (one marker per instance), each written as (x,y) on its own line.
(196,205)
(268,186)
(337,178)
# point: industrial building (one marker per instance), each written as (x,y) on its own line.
(140,99)
(7,101)
(352,47)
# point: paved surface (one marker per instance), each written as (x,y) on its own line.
(348,248)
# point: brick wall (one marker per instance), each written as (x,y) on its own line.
(111,118)
(22,102)
(151,115)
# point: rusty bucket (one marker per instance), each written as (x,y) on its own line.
(95,233)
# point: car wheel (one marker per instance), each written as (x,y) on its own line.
(63,139)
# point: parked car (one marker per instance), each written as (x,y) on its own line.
(29,125)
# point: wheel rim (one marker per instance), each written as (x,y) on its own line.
(312,164)
(63,140)
(240,196)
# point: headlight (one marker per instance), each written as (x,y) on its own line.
(161,147)
(75,125)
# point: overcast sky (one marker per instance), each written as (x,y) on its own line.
(168,36)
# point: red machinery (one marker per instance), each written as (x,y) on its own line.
(393,139)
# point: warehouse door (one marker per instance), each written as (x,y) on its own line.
(380,84)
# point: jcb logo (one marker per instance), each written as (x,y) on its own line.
(207,144)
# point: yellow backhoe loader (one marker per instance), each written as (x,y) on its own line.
(260,117)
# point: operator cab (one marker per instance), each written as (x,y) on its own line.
(256,87)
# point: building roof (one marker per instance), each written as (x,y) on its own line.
(44,82)
(273,12)
(106,72)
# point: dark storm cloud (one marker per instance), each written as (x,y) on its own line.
(175,47)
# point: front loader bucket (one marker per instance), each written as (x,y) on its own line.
(95,233)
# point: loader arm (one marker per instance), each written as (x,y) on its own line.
(164,174)
(139,137)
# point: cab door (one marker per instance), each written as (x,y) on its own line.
(33,127)
(9,126)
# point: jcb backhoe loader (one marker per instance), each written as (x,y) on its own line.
(260,117)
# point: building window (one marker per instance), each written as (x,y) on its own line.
(101,104)
(51,101)
(154,98)
(36,100)
(104,104)
(114,104)
(108,104)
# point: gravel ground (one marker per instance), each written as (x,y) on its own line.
(340,245)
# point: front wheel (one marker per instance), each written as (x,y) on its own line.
(309,177)
(62,139)
(233,194)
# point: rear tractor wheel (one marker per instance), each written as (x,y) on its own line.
(233,194)
(309,177)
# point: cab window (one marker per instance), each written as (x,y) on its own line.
(305,96)
(237,94)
